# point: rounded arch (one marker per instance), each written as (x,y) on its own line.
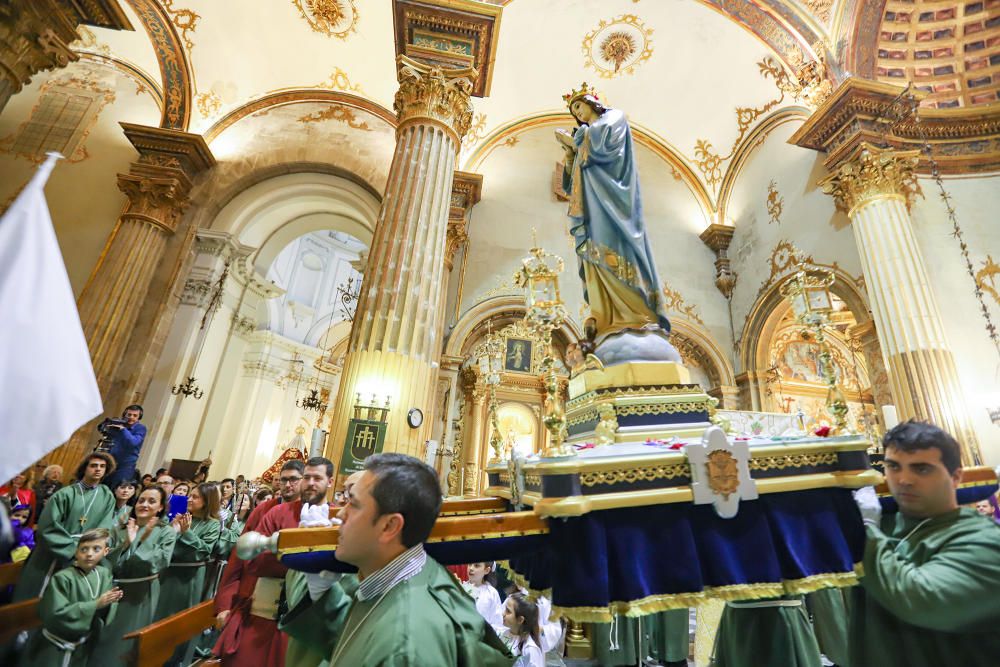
(298,96)
(273,212)
(499,311)
(696,345)
(771,307)
(175,70)
(643,136)
(749,145)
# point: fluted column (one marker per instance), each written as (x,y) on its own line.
(396,338)
(35,36)
(157,186)
(874,186)
(474,438)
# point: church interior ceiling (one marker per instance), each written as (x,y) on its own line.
(210,64)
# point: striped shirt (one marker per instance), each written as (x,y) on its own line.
(403,567)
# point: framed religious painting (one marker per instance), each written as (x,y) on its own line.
(517,357)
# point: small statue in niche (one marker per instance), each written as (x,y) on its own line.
(607,427)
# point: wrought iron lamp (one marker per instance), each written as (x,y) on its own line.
(490,367)
(188,388)
(312,402)
(808,292)
(539,276)
(348,297)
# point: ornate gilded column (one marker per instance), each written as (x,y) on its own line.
(35,36)
(396,338)
(474,438)
(875,187)
(157,187)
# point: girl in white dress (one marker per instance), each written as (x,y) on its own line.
(487,599)
(520,617)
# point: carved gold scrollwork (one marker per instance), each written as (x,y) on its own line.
(630,475)
(435,93)
(872,173)
(793,461)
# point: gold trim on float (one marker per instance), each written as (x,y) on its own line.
(658,603)
(579,505)
(578,465)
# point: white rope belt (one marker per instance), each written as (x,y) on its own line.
(137,580)
(765,603)
(65,645)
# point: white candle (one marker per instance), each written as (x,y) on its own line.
(889,416)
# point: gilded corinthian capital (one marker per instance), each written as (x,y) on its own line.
(435,93)
(872,173)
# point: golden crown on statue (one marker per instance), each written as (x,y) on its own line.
(575,94)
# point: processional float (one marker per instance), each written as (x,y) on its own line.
(640,503)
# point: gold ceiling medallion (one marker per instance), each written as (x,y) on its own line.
(334,18)
(617,46)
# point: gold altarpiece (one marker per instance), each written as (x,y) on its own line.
(521,388)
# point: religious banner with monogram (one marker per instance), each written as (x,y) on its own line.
(364,438)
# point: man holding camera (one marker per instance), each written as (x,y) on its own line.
(126,435)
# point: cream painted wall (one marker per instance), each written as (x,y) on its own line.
(83,197)
(809,218)
(810,221)
(517,196)
(976,202)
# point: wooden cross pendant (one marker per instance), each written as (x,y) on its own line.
(83,520)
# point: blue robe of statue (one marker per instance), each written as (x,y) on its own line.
(621,284)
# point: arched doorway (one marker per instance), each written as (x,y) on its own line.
(262,323)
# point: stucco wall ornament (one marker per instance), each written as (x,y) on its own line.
(720,472)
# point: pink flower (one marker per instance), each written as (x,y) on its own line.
(822,431)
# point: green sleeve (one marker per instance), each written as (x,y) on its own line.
(197,543)
(146,557)
(227,539)
(945,593)
(104,509)
(52,528)
(66,609)
(316,623)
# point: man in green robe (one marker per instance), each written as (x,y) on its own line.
(408,609)
(71,511)
(78,601)
(930,594)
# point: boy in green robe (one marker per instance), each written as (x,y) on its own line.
(929,595)
(71,511)
(77,602)
(408,609)
(140,551)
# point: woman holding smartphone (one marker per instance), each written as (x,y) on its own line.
(197,533)
(140,550)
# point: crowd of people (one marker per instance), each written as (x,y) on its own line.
(108,559)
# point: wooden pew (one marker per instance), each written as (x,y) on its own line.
(17,617)
(9,573)
(156,643)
